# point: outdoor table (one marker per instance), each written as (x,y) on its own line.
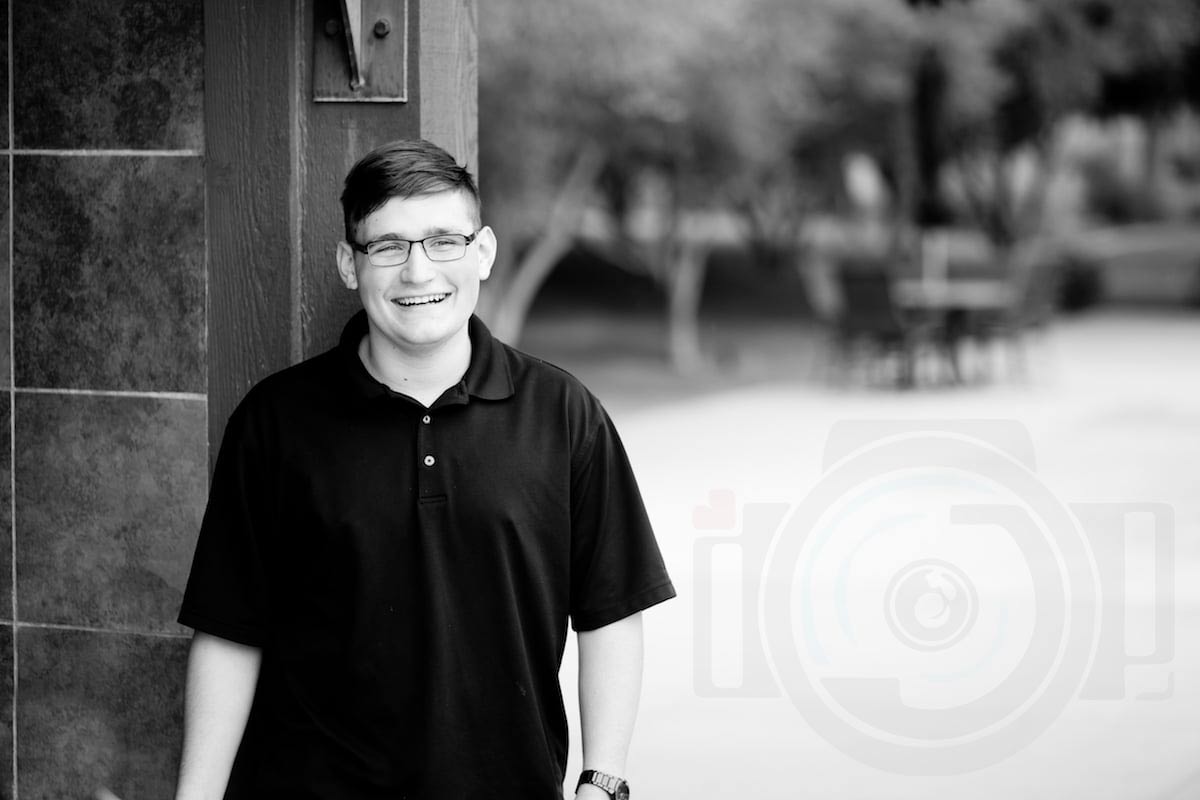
(952,306)
(944,295)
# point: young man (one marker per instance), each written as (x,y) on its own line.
(397,534)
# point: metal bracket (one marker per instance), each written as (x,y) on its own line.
(360,51)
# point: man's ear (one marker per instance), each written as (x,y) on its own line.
(487,251)
(346,266)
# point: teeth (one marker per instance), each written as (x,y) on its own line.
(419,301)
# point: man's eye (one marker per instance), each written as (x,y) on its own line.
(443,244)
(389,248)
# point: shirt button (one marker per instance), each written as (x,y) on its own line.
(426,419)
(429,461)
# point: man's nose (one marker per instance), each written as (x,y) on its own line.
(419,268)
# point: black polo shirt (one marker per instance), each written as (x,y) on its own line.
(409,573)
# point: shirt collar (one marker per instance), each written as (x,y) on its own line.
(487,376)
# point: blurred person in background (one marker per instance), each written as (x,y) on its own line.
(398,532)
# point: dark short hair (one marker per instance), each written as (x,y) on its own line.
(404,168)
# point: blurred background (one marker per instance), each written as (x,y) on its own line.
(752,227)
(746,223)
(703,169)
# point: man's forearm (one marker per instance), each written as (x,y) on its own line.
(610,684)
(221,678)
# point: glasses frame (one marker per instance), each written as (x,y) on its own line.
(364,248)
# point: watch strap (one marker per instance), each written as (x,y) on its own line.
(609,783)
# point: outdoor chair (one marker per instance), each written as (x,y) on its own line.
(871,332)
(1004,332)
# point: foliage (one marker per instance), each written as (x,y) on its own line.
(558,76)
(1150,49)
(751,108)
(1110,196)
(576,98)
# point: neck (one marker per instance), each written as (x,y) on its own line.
(422,375)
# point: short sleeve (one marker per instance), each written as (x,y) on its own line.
(225,593)
(616,566)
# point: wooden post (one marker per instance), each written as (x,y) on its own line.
(274,168)
(250,122)
(449,78)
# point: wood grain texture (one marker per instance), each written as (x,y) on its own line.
(333,137)
(249,106)
(449,78)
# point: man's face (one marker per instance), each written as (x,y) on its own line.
(421,304)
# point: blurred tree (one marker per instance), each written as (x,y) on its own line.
(748,107)
(1052,59)
(799,87)
(1150,69)
(902,86)
(575,97)
(1030,87)
(958,85)
(678,116)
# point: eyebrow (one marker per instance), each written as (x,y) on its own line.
(431,232)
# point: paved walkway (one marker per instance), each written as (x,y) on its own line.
(897,667)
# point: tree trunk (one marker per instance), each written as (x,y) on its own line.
(1152,193)
(1030,216)
(683,318)
(904,209)
(555,240)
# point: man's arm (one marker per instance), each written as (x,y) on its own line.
(610,683)
(221,678)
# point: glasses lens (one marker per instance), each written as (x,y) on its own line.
(445,247)
(387,253)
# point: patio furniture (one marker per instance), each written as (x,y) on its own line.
(997,306)
(872,329)
(1006,329)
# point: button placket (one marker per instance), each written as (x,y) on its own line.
(431,482)
(428,460)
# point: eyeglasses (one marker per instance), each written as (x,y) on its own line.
(394,252)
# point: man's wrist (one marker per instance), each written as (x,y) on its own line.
(598,785)
(589,792)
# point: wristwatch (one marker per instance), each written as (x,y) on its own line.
(616,787)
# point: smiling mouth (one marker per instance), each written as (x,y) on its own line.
(423,300)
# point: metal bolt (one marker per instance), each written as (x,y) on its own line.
(382,28)
(332,27)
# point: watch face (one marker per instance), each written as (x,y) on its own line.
(622,791)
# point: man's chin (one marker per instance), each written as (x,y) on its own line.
(421,338)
